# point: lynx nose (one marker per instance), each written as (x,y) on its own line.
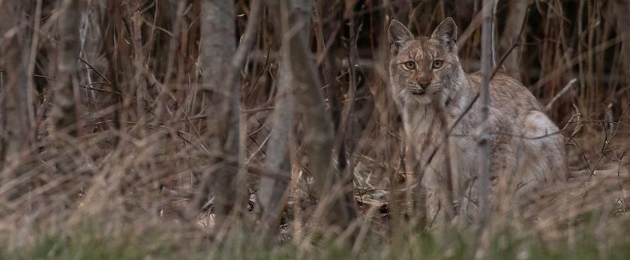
(424,82)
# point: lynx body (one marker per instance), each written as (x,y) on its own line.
(432,92)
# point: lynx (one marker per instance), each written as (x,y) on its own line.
(433,94)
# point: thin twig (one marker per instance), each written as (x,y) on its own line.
(564,90)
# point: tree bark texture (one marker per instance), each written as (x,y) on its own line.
(273,189)
(486,71)
(622,8)
(218,49)
(511,34)
(14,125)
(64,111)
(317,123)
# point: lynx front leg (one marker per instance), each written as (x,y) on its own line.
(439,206)
(434,212)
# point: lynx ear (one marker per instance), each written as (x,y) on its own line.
(397,35)
(446,33)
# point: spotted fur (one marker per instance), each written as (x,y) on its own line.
(526,148)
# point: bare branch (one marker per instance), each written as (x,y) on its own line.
(484,148)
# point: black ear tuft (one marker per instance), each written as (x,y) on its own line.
(397,35)
(446,33)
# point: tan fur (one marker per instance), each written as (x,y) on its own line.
(526,149)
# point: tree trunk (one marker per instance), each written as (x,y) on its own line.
(318,127)
(272,193)
(622,8)
(218,49)
(64,111)
(483,147)
(15,126)
(273,187)
(511,34)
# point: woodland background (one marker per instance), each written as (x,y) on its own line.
(157,129)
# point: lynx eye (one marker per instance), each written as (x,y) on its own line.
(437,64)
(410,65)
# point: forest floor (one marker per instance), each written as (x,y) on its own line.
(121,228)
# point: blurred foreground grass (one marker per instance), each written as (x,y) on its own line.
(89,241)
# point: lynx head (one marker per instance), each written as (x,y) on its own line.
(423,69)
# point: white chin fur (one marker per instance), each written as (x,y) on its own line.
(421,99)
